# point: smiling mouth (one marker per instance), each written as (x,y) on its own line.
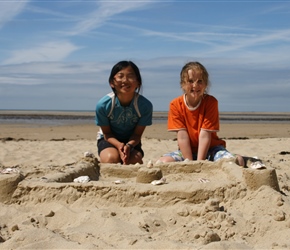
(126,86)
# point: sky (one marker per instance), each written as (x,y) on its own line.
(58,54)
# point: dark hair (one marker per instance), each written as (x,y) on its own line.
(122,65)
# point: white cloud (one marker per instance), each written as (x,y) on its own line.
(8,10)
(47,73)
(50,51)
(104,12)
(220,40)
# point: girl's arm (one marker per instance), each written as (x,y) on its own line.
(108,136)
(184,144)
(203,144)
(135,139)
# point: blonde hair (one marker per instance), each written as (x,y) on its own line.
(195,66)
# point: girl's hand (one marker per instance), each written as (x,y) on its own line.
(124,151)
(121,149)
(127,151)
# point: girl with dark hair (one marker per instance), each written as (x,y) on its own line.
(123,116)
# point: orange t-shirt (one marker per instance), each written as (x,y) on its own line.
(204,116)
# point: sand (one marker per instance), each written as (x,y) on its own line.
(41,207)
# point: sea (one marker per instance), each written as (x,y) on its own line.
(64,117)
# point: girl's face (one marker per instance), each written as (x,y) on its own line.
(125,81)
(194,87)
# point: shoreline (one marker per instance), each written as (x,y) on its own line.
(156,114)
(63,125)
(57,118)
(228,131)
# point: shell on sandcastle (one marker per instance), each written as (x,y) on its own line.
(147,175)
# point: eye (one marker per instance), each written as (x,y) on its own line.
(120,75)
(131,76)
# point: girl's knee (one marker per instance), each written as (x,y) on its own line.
(107,156)
(166,159)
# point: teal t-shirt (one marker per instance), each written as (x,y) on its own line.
(123,120)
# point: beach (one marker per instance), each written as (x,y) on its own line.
(198,205)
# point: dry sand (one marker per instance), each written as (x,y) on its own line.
(238,208)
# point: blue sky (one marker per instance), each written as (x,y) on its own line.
(57,55)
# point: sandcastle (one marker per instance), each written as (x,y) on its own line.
(101,176)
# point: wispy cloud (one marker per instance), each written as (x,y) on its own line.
(8,10)
(223,41)
(220,40)
(104,12)
(56,50)
(52,13)
(282,8)
(50,51)
(38,73)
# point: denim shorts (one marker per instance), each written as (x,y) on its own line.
(214,154)
(102,144)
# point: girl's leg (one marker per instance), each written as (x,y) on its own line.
(110,155)
(240,160)
(135,157)
(219,152)
(166,159)
(172,157)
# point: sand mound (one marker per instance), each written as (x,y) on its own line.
(202,205)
